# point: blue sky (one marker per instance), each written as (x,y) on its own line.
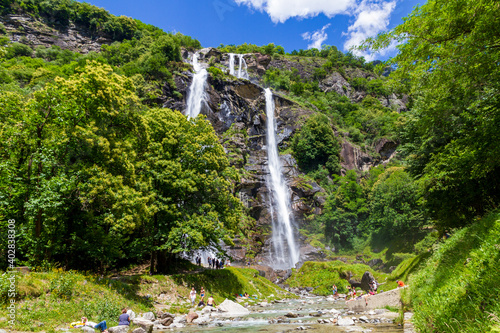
(293,24)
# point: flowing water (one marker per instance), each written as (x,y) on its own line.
(285,252)
(196,94)
(264,319)
(242,66)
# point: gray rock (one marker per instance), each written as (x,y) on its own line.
(345,321)
(364,319)
(149,316)
(291,315)
(147,325)
(118,329)
(205,319)
(87,329)
(131,314)
(191,316)
(231,308)
(139,330)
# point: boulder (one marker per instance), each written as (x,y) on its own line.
(148,316)
(365,281)
(233,309)
(147,325)
(139,330)
(205,319)
(345,321)
(364,319)
(118,329)
(162,315)
(166,321)
(87,329)
(291,315)
(191,316)
(131,314)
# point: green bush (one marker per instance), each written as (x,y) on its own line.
(18,50)
(63,285)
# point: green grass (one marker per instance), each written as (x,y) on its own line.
(322,275)
(50,300)
(458,288)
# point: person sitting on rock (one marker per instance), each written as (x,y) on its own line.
(84,322)
(400,284)
(245,295)
(124,318)
(211,301)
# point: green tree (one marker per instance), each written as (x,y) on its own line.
(448,63)
(394,204)
(316,145)
(344,210)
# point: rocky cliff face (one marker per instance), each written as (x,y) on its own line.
(236,109)
(28,30)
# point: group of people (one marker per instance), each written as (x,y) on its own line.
(123,319)
(217,264)
(192,297)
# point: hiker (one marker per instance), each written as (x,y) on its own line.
(84,322)
(124,318)
(209,262)
(192,296)
(228,263)
(211,301)
(400,283)
(202,294)
(353,292)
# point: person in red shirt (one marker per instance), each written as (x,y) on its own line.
(400,283)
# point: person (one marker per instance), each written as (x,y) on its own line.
(201,304)
(124,318)
(202,294)
(228,263)
(209,262)
(334,290)
(353,292)
(192,295)
(84,322)
(245,295)
(211,301)
(400,284)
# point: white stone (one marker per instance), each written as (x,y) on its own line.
(363,319)
(371,313)
(148,316)
(119,329)
(230,308)
(264,304)
(345,321)
(202,319)
(334,311)
(131,314)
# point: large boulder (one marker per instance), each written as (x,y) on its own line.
(149,316)
(230,308)
(147,325)
(139,330)
(365,281)
(191,316)
(119,329)
(87,329)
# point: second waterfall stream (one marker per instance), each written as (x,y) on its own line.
(196,94)
(285,252)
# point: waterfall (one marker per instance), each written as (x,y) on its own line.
(231,63)
(285,252)
(242,73)
(196,94)
(242,66)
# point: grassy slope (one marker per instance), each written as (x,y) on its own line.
(458,287)
(52,300)
(321,276)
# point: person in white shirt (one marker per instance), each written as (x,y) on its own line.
(192,295)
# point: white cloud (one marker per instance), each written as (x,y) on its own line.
(371,19)
(282,10)
(317,37)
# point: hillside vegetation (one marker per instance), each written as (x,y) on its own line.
(51,300)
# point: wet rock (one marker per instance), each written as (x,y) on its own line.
(291,315)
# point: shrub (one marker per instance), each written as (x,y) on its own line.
(18,50)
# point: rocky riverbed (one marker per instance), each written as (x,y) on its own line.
(312,313)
